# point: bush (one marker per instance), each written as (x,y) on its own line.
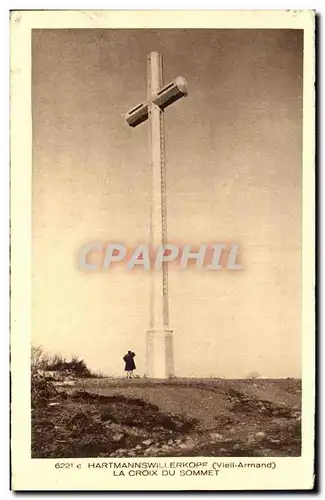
(39,359)
(76,366)
(41,392)
(43,361)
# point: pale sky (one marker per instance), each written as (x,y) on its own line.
(233,151)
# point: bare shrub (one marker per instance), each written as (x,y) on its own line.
(41,392)
(76,366)
(39,359)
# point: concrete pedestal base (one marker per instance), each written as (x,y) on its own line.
(160,354)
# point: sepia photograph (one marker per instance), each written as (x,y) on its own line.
(166,234)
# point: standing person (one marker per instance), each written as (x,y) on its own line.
(129,364)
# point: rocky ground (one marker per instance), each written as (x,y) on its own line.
(181,417)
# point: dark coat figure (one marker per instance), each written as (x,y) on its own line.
(129,363)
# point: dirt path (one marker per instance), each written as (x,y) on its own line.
(177,418)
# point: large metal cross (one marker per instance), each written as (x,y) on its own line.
(159,342)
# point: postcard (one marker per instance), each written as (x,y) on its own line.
(162,250)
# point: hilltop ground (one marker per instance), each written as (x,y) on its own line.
(180,417)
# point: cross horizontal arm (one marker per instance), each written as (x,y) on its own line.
(171,93)
(137,115)
(163,98)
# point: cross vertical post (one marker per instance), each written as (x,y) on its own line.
(160,363)
(159,340)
